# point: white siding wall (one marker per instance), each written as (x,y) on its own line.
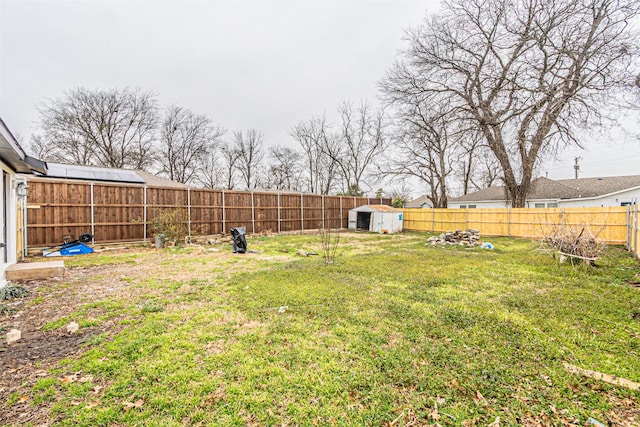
(612,200)
(489,204)
(12,228)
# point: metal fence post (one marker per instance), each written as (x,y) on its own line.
(279,227)
(144,213)
(301,212)
(253,215)
(224,216)
(189,210)
(322,211)
(93,226)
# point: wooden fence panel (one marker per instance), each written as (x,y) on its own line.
(206,212)
(62,209)
(608,223)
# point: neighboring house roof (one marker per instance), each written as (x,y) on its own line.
(419,202)
(375,208)
(157,181)
(594,187)
(544,188)
(13,155)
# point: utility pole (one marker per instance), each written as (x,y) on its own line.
(576,166)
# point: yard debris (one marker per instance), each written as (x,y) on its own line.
(305,253)
(610,379)
(72,327)
(239,240)
(575,242)
(469,237)
(283,309)
(594,422)
(13,335)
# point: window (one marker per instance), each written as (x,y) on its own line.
(463,206)
(467,206)
(539,205)
(625,204)
(552,205)
(472,206)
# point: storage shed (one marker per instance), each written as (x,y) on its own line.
(376,218)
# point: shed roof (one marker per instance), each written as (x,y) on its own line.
(376,208)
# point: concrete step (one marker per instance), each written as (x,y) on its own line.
(35,270)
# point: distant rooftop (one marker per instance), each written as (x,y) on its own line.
(544,188)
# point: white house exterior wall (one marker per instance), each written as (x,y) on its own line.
(485,204)
(11,221)
(615,199)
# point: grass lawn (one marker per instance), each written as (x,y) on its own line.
(394,333)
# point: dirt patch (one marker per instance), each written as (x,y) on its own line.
(37,345)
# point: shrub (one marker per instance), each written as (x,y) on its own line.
(171,222)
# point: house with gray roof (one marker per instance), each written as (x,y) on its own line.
(420,202)
(549,193)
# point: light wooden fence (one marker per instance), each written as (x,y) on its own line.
(115,212)
(633,230)
(608,223)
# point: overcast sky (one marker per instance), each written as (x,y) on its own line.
(245,64)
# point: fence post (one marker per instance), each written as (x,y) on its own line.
(144,213)
(433,220)
(224,216)
(635,233)
(93,227)
(279,228)
(253,215)
(322,211)
(189,210)
(466,218)
(627,217)
(508,221)
(301,211)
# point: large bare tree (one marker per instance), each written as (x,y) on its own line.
(186,139)
(526,73)
(284,169)
(248,146)
(113,128)
(360,141)
(320,170)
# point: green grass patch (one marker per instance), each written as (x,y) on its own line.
(391,331)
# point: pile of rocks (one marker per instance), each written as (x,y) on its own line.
(469,237)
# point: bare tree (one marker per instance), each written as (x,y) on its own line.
(185,140)
(211,171)
(525,73)
(427,148)
(113,128)
(320,169)
(250,154)
(284,170)
(229,156)
(360,141)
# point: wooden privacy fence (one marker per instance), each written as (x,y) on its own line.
(608,223)
(116,212)
(633,230)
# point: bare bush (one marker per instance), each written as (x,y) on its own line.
(330,238)
(576,241)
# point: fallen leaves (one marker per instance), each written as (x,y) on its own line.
(133,405)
